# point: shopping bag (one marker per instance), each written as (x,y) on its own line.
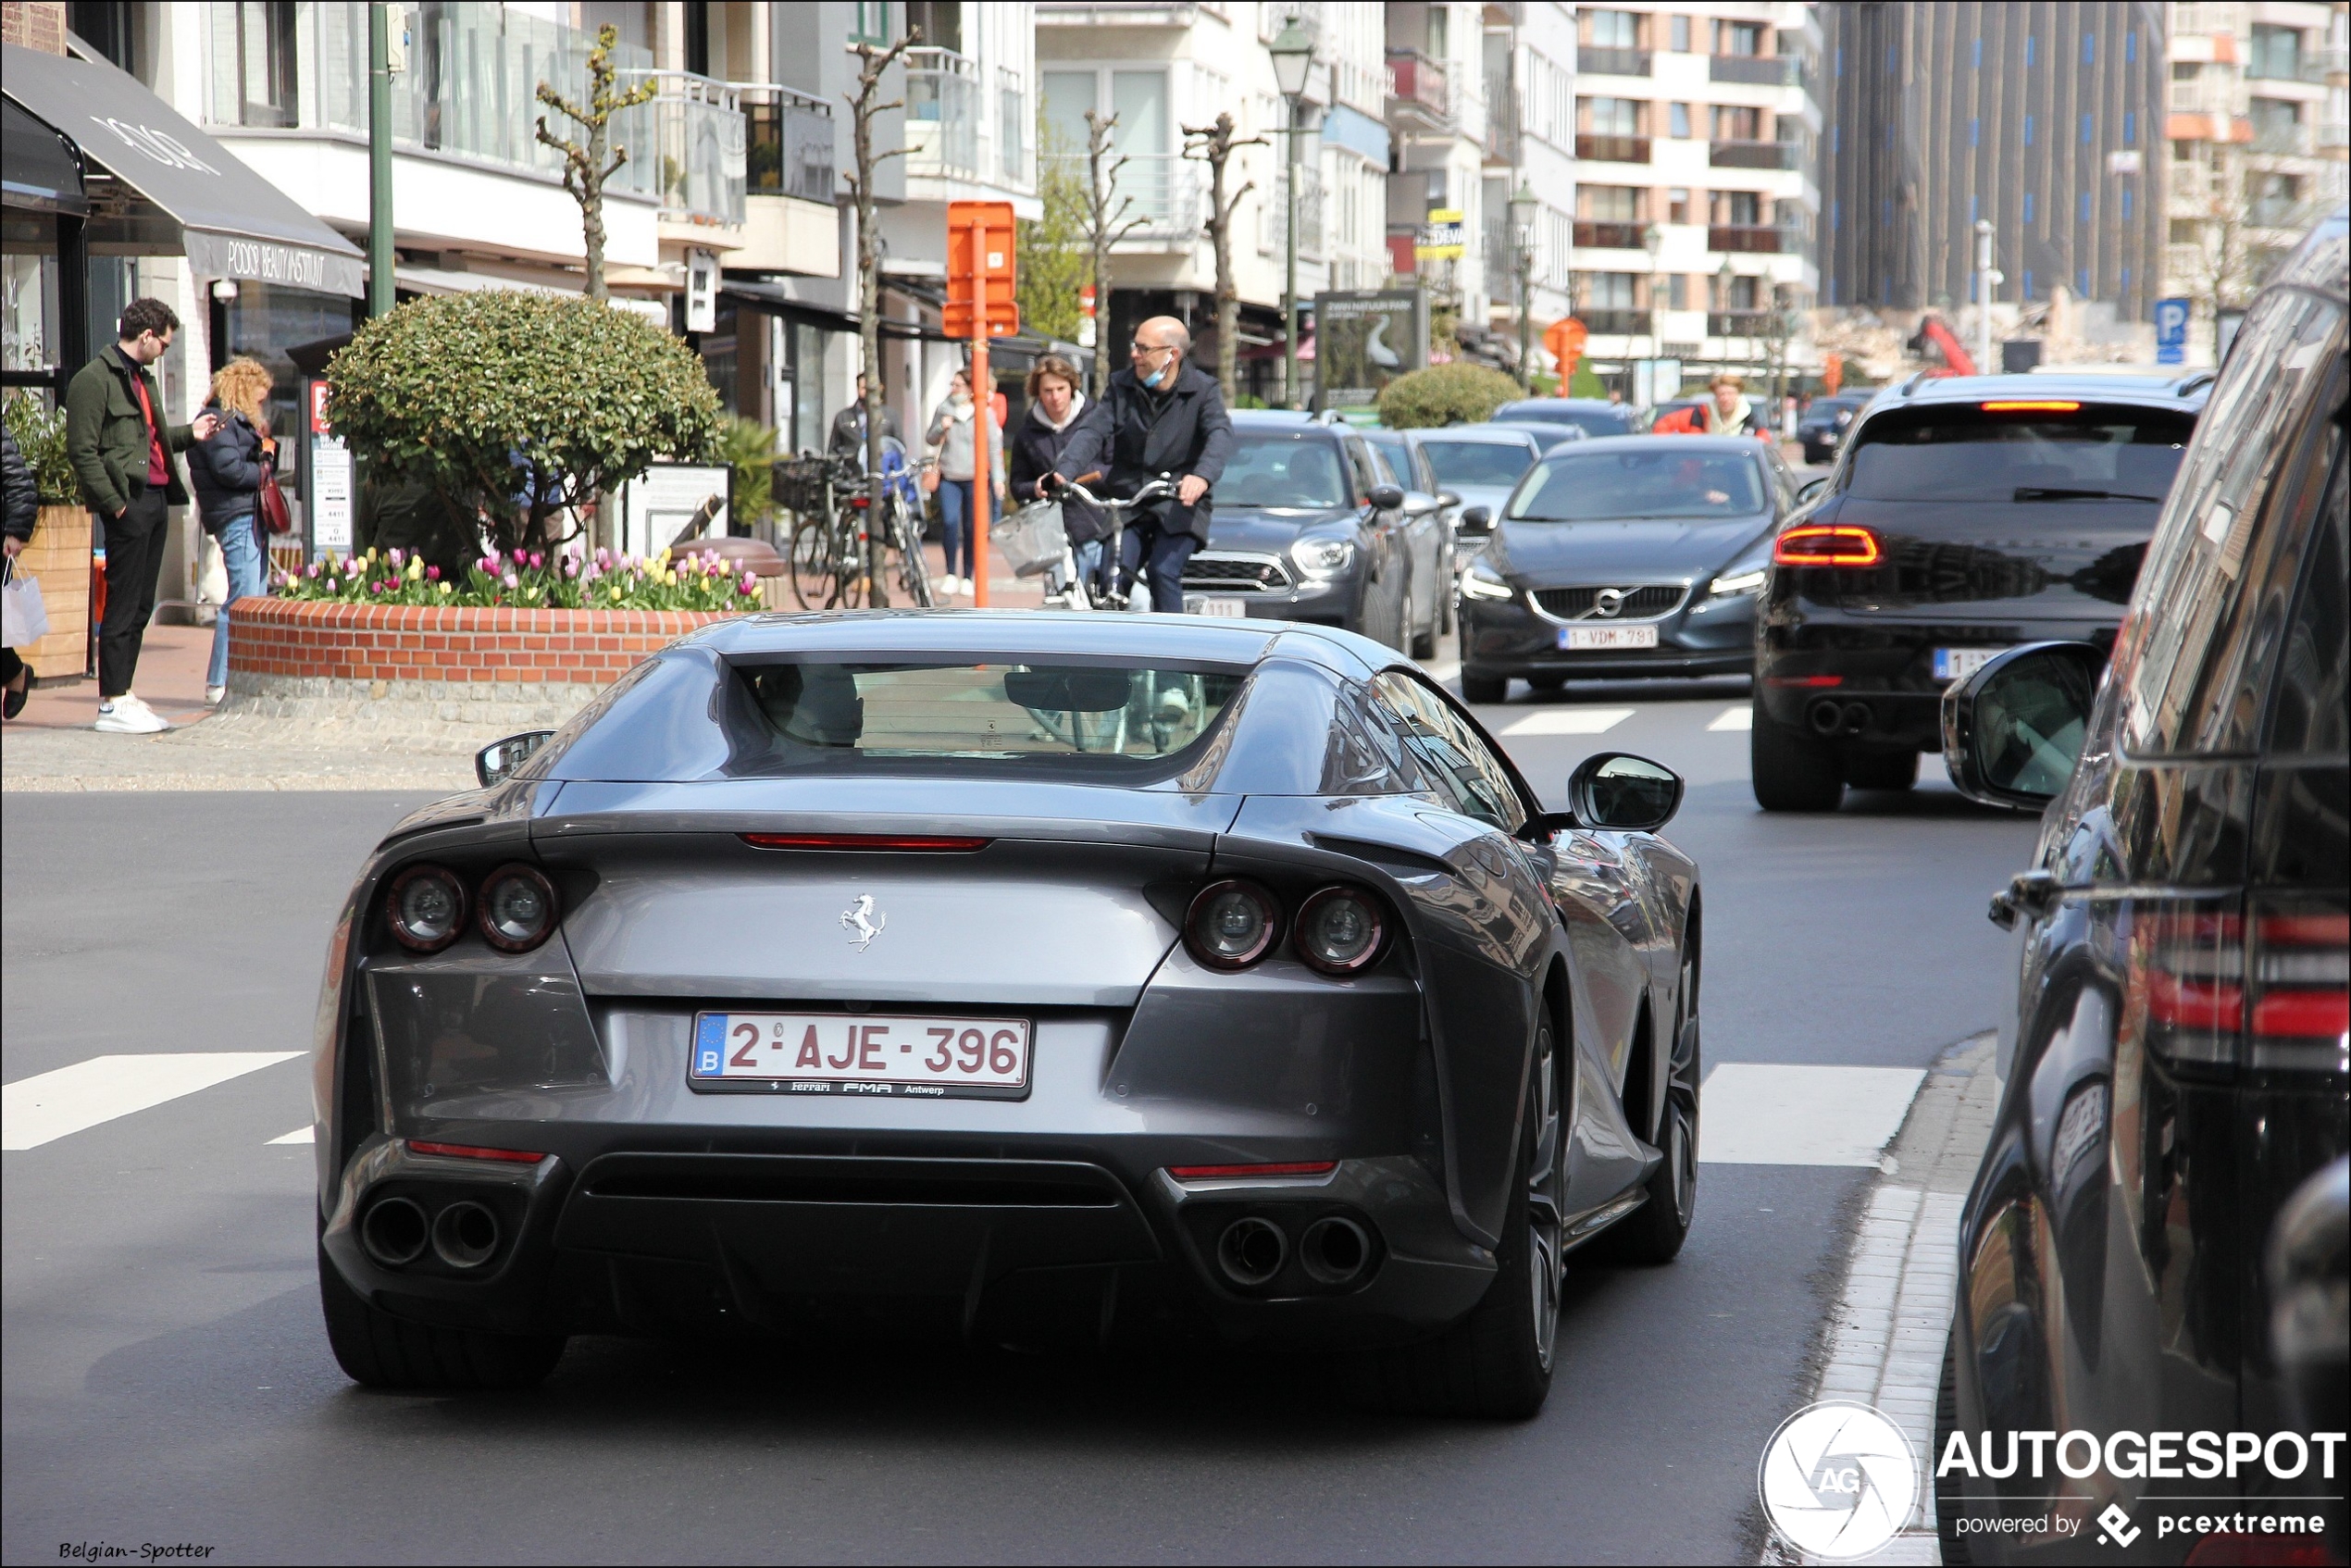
(212,576)
(23,620)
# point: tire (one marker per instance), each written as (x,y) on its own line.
(1482,690)
(1421,644)
(380,1351)
(1947,1421)
(1496,1362)
(1881,770)
(1653,1233)
(813,582)
(1791,771)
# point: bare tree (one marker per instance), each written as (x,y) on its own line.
(1214,144)
(1106,224)
(872,64)
(585,169)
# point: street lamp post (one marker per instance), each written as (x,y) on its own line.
(1293,52)
(1722,277)
(1985,276)
(1523,207)
(1653,240)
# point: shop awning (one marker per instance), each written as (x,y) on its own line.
(236,223)
(38,167)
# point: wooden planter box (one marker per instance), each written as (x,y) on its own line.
(58,555)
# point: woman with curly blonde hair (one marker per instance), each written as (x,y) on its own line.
(230,470)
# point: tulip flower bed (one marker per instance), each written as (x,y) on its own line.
(527,581)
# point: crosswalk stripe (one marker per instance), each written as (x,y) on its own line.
(1752,1114)
(300,1135)
(48,1106)
(1568,721)
(1740,717)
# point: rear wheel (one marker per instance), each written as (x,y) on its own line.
(1791,771)
(1424,643)
(1881,770)
(1654,1232)
(384,1351)
(1479,687)
(1496,1362)
(810,556)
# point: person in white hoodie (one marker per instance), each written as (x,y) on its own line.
(951,438)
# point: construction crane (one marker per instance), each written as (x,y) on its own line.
(1957,361)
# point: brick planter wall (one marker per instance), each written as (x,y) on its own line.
(417,672)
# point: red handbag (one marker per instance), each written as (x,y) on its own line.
(270,505)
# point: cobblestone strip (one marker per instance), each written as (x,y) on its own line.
(1886,1348)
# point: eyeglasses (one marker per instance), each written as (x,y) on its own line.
(1141,348)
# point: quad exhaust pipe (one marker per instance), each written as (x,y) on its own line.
(1251,1251)
(1832,719)
(395,1232)
(1334,1250)
(465,1235)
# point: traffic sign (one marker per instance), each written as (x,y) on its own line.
(979,269)
(2171,332)
(1565,338)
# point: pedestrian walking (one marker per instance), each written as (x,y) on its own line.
(19,514)
(122,450)
(1159,415)
(229,469)
(1054,406)
(847,436)
(951,438)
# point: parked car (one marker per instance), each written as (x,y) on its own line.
(1305,527)
(1630,555)
(2153,1244)
(1426,501)
(1966,514)
(1046,979)
(1822,430)
(1478,462)
(1592,415)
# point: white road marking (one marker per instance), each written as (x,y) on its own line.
(300,1135)
(1740,717)
(1568,721)
(1753,1114)
(48,1106)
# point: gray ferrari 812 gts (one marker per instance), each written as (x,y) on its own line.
(1014,978)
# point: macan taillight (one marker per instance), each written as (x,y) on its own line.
(1827,545)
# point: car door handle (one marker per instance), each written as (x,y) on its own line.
(2030,893)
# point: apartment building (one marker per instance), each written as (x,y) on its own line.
(1449,83)
(2256,146)
(1697,211)
(2043,119)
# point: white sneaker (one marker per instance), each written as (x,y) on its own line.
(128,716)
(212,695)
(952,583)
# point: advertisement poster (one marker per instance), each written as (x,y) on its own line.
(1362,340)
(330,487)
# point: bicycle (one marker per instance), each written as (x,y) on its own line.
(1112,592)
(837,559)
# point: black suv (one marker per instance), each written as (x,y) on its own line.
(2153,1246)
(1966,516)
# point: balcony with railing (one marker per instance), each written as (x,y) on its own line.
(1776,71)
(1741,323)
(2205,95)
(699,145)
(1161,189)
(788,144)
(2290,137)
(1502,118)
(1614,322)
(942,114)
(1272,217)
(2277,211)
(1012,128)
(1600,60)
(1601,234)
(1420,86)
(1612,149)
(1753,155)
(2332,138)
(1750,237)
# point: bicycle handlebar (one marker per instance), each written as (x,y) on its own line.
(1158,489)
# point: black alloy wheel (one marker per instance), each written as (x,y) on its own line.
(1496,1362)
(1653,1233)
(1790,770)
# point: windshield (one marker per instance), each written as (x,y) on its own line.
(1592,422)
(1970,455)
(1282,469)
(1491,463)
(1092,717)
(1668,480)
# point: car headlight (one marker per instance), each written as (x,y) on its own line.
(1844,418)
(1482,581)
(1737,583)
(1323,557)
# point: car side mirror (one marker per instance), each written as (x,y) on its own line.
(501,760)
(1386,497)
(2013,730)
(1478,519)
(1420,504)
(1623,793)
(1449,498)
(1810,489)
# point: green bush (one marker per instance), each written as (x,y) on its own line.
(520,407)
(1444,394)
(40,432)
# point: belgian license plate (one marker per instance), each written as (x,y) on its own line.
(1600,639)
(884,1057)
(1958,663)
(1214,604)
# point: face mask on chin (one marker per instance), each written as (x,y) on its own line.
(1153,379)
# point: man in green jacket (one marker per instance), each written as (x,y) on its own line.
(121,452)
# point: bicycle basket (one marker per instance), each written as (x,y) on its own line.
(800,485)
(1030,539)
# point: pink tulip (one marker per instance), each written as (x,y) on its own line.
(508,579)
(398,558)
(538,559)
(313,570)
(432,574)
(490,564)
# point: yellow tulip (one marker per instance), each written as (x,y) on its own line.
(444,587)
(416,570)
(615,590)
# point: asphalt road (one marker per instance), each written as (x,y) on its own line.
(166,1379)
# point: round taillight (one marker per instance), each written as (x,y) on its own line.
(1340,931)
(1232,925)
(517,908)
(426,907)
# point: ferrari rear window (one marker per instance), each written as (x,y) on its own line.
(2026,458)
(1087,717)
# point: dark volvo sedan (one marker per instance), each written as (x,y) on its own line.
(1019,978)
(1634,555)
